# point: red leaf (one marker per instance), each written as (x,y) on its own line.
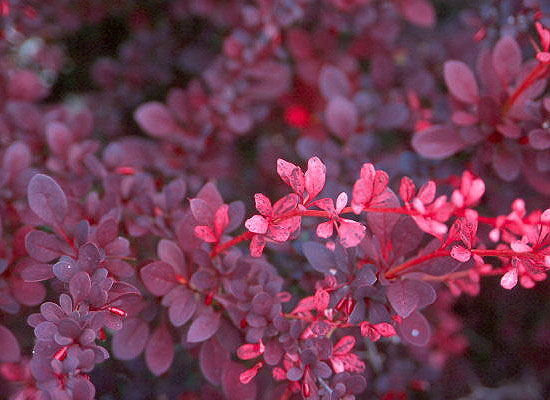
(257,245)
(221,220)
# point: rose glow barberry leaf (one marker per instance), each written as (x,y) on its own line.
(415,329)
(212,360)
(315,177)
(182,309)
(461,82)
(320,258)
(419,12)
(351,233)
(437,142)
(507,59)
(232,387)
(129,342)
(403,297)
(159,352)
(42,246)
(158,277)
(341,117)
(47,199)
(292,175)
(333,82)
(510,279)
(203,328)
(155,119)
(9,346)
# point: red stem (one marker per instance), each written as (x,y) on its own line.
(527,82)
(224,246)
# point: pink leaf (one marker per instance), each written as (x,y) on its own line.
(249,351)
(341,201)
(305,305)
(351,233)
(292,175)
(437,142)
(315,177)
(257,224)
(257,245)
(205,233)
(325,229)
(344,345)
(263,204)
(510,279)
(385,329)
(460,81)
(221,220)
(341,117)
(322,299)
(461,254)
(407,189)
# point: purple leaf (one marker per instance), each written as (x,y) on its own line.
(159,352)
(203,328)
(37,272)
(232,386)
(182,309)
(507,161)
(403,297)
(382,224)
(419,12)
(42,246)
(202,212)
(130,341)
(106,232)
(320,258)
(415,329)
(79,286)
(28,293)
(460,81)
(333,82)
(155,119)
(212,360)
(405,237)
(507,59)
(341,117)
(437,142)
(16,159)
(47,199)
(158,277)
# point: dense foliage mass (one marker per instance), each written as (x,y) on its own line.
(274,199)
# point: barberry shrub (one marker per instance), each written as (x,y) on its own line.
(294,199)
